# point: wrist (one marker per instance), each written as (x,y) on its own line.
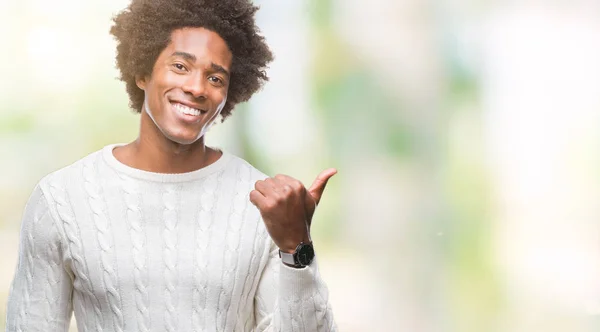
(291,246)
(302,256)
(292,266)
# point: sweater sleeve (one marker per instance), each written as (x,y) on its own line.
(289,299)
(40,294)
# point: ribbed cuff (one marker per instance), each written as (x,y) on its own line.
(299,283)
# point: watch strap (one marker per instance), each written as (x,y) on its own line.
(287,258)
(293,259)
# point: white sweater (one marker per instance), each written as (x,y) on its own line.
(130,250)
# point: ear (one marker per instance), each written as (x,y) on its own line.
(140,82)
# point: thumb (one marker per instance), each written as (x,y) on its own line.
(318,186)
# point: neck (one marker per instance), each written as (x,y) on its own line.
(153,152)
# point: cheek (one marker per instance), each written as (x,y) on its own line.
(222,103)
(155,92)
(170,80)
(222,97)
(220,100)
(151,102)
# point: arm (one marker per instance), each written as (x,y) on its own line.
(290,299)
(40,294)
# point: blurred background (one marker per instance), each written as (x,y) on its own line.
(466,135)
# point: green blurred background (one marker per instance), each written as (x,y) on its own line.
(466,135)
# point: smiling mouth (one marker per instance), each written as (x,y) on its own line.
(187,110)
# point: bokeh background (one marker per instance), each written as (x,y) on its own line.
(466,134)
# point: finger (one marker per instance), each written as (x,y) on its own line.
(289,182)
(257,199)
(318,186)
(274,188)
(284,178)
(265,187)
(310,205)
(279,184)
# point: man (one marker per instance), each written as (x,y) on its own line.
(165,233)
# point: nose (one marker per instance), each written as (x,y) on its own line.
(195,86)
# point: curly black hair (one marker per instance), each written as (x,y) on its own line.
(143,30)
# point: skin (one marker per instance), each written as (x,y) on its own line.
(287,207)
(194,69)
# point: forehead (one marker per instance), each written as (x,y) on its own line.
(204,44)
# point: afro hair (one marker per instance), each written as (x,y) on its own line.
(143,30)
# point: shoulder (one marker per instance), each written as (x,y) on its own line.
(246,176)
(69,176)
(245,169)
(50,198)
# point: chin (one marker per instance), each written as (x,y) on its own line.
(183,138)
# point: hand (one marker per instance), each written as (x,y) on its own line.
(287,207)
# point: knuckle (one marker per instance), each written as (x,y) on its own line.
(297,185)
(281,198)
(270,205)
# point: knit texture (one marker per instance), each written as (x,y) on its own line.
(130,250)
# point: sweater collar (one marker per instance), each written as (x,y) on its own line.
(109,158)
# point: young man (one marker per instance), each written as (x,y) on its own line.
(165,233)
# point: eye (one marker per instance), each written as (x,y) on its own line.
(215,79)
(179,66)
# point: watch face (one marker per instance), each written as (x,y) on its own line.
(306,254)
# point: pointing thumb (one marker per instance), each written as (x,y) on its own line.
(318,186)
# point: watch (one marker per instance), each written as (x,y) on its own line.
(302,256)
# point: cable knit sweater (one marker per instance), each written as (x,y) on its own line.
(130,250)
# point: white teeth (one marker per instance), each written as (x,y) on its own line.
(186,110)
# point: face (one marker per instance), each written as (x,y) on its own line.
(188,86)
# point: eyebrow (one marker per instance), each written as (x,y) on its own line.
(219,69)
(192,58)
